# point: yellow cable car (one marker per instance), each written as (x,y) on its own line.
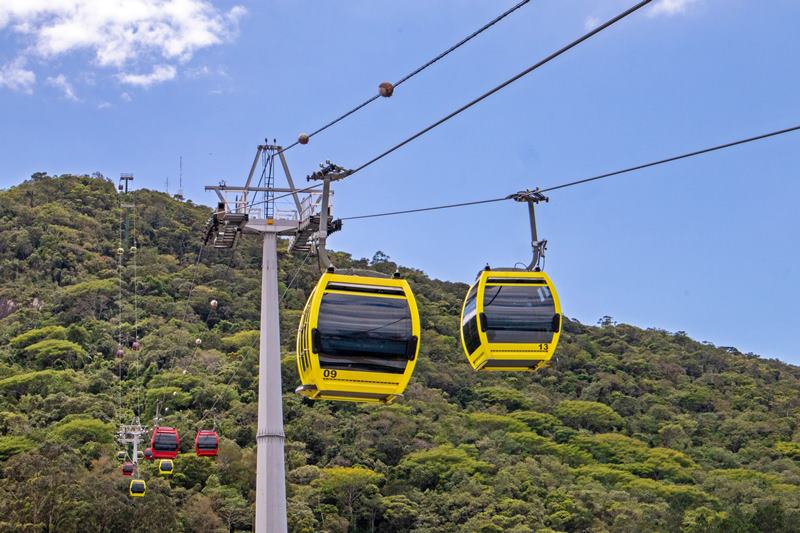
(166,467)
(511,318)
(358,339)
(137,488)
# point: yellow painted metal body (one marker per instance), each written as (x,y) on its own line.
(137,488)
(166,467)
(485,354)
(341,384)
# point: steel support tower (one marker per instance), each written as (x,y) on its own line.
(131,434)
(238,213)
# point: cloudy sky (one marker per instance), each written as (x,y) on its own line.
(707,245)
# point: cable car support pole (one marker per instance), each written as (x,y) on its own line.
(538,247)
(322,235)
(222,231)
(270,469)
(329,172)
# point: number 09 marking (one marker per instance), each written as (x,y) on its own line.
(329,374)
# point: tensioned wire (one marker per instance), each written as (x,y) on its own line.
(490,92)
(414,72)
(591,178)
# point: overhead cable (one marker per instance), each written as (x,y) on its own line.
(592,178)
(505,84)
(389,88)
(485,95)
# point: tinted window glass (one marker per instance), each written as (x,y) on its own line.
(207,442)
(165,442)
(365,333)
(519,313)
(469,322)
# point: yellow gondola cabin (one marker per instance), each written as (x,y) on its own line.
(511,320)
(166,467)
(137,488)
(358,339)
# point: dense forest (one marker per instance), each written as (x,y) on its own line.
(629,430)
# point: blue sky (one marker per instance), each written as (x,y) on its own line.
(707,245)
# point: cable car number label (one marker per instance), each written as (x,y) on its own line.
(329,374)
(542,347)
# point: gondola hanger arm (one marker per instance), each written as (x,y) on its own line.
(327,173)
(533,197)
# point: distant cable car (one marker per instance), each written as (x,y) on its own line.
(127,469)
(148,454)
(165,443)
(136,345)
(121,455)
(137,488)
(358,339)
(213,304)
(206,443)
(166,467)
(511,318)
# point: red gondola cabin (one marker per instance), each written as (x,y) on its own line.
(127,469)
(165,443)
(206,443)
(148,454)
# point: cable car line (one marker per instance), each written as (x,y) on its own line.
(391,87)
(589,179)
(433,208)
(506,83)
(674,158)
(488,93)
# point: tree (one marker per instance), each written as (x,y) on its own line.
(49,352)
(228,504)
(13,445)
(593,416)
(353,488)
(77,431)
(435,467)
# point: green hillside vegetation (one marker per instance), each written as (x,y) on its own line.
(629,430)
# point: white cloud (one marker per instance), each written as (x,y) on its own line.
(61,82)
(591,23)
(160,73)
(103,105)
(16,77)
(670,7)
(119,33)
(205,71)
(126,97)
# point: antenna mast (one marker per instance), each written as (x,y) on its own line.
(179,195)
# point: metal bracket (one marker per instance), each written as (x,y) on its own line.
(538,246)
(266,434)
(322,234)
(328,172)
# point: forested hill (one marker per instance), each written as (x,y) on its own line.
(630,429)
